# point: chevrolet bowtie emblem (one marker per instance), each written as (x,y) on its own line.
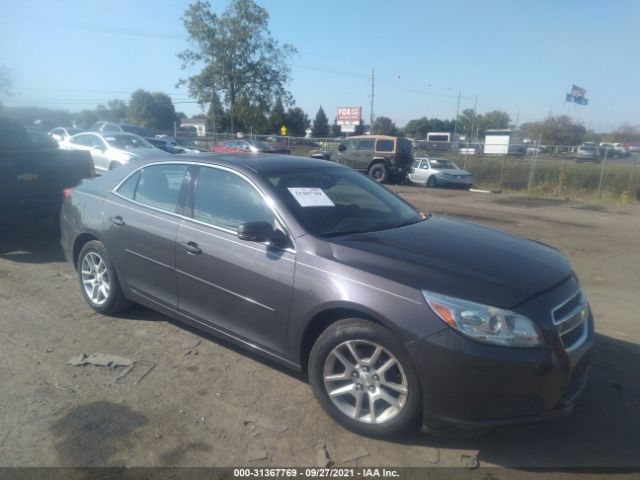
(27,176)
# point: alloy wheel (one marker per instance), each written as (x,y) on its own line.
(365,381)
(95,278)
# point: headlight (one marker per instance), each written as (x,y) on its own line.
(484,323)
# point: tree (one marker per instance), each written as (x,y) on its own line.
(163,113)
(558,130)
(335,129)
(276,117)
(383,126)
(321,124)
(240,59)
(117,110)
(494,119)
(140,106)
(296,122)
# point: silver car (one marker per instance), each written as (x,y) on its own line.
(438,172)
(110,150)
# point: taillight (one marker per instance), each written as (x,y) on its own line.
(66,193)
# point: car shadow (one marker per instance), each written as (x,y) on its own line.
(30,241)
(603,431)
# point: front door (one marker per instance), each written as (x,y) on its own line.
(242,288)
(141,231)
(348,156)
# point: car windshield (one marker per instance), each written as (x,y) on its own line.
(337,201)
(127,141)
(444,164)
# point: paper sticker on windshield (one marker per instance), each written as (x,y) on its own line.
(311,197)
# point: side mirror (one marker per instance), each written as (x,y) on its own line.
(258,232)
(342,147)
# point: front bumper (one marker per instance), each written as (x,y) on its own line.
(471,385)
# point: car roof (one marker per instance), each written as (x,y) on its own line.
(376,137)
(258,163)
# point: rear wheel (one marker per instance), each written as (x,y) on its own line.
(379,172)
(364,379)
(98,279)
(432,182)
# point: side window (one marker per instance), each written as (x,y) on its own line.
(365,144)
(416,164)
(350,144)
(425,164)
(384,146)
(80,140)
(159,186)
(128,188)
(225,200)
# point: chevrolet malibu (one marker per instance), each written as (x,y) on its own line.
(398,317)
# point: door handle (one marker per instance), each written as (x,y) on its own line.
(117,220)
(192,248)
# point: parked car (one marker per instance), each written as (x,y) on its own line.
(110,150)
(135,129)
(181,145)
(613,150)
(33,177)
(248,146)
(399,318)
(166,145)
(469,149)
(588,152)
(62,134)
(632,147)
(106,127)
(382,157)
(438,172)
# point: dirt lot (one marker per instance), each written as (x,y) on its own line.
(211,404)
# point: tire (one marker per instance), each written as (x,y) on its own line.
(379,172)
(432,182)
(365,336)
(94,257)
(113,165)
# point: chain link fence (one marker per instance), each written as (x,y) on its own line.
(552,170)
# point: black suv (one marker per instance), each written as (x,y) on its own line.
(383,158)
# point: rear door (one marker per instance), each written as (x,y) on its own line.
(140,230)
(239,287)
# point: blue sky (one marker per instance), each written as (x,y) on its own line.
(517,56)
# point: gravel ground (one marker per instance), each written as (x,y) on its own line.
(206,403)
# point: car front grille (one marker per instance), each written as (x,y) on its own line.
(570,319)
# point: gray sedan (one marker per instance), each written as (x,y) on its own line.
(399,318)
(438,172)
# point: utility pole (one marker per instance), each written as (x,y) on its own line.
(455,120)
(475,115)
(373,72)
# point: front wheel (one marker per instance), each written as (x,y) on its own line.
(379,172)
(98,279)
(364,379)
(432,182)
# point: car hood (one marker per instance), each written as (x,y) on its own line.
(456,258)
(452,171)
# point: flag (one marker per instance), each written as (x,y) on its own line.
(569,98)
(577,91)
(581,100)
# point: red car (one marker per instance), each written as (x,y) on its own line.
(632,146)
(248,146)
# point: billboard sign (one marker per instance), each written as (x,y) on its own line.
(349,115)
(347,128)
